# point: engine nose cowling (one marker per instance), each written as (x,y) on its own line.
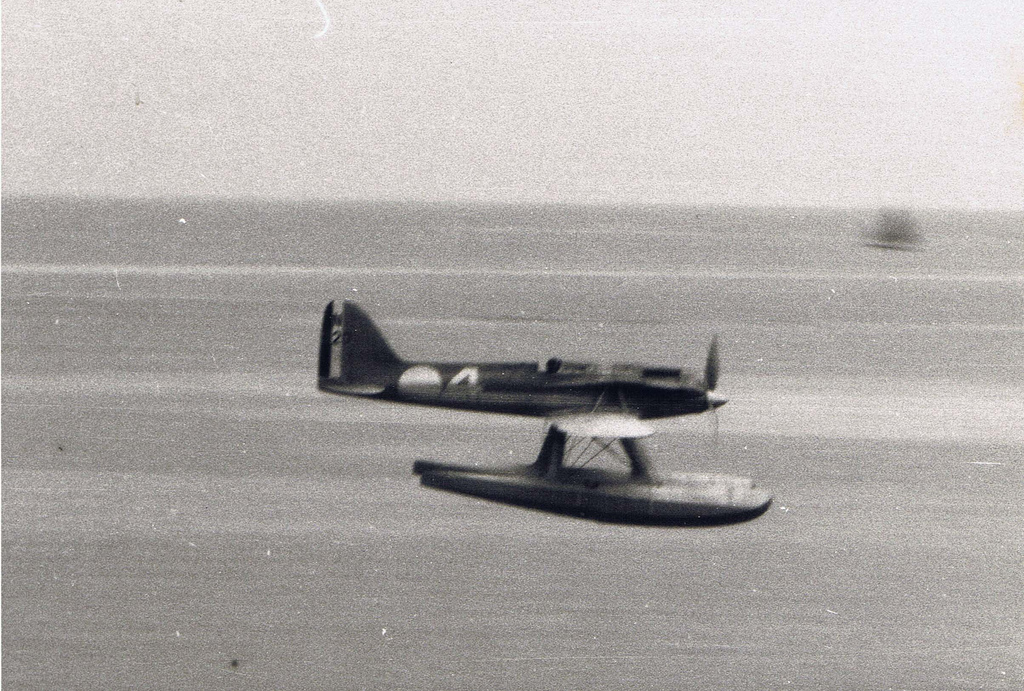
(715,401)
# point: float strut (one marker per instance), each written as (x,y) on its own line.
(640,469)
(552,453)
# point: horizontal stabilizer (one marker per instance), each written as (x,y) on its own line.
(603,426)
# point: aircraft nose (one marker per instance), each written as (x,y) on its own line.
(715,401)
(752,499)
(758,499)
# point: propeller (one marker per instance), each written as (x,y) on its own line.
(711,376)
(710,381)
(711,365)
(714,431)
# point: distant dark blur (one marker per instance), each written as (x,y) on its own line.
(895,229)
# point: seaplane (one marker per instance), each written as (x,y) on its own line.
(608,407)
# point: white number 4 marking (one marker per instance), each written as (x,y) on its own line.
(467,376)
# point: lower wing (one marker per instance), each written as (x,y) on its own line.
(602,425)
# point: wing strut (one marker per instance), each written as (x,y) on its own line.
(552,454)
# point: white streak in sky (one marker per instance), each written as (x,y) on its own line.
(327,19)
(235,270)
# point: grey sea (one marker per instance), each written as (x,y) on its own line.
(182,509)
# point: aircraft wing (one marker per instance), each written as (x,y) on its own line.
(602,425)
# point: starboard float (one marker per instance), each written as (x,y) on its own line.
(609,405)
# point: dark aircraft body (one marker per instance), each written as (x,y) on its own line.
(363,364)
(579,400)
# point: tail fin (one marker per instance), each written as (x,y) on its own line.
(352,350)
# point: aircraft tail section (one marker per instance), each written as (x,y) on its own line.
(353,353)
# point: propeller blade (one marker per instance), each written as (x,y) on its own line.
(711,366)
(714,428)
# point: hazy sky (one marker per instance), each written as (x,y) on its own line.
(809,103)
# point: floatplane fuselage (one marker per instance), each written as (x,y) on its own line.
(610,404)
